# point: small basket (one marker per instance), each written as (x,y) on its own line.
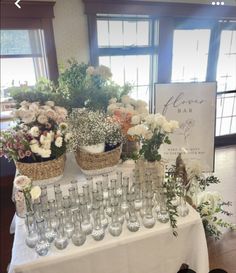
(95,164)
(42,170)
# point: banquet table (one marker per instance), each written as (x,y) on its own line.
(153,250)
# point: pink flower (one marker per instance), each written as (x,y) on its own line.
(22,182)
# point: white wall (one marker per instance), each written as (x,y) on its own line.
(70,30)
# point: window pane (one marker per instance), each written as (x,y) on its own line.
(17,42)
(226,68)
(130,33)
(103,34)
(143,33)
(219,106)
(233,127)
(218,121)
(225,126)
(115,33)
(228,107)
(190,58)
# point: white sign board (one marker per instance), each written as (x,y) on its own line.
(193,106)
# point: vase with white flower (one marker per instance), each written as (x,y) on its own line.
(39,137)
(128,112)
(153,131)
(24,194)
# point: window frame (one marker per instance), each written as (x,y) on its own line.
(169,16)
(33,15)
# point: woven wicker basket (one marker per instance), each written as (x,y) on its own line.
(94,164)
(42,170)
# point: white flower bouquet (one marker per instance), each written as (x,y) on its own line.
(40,134)
(152,130)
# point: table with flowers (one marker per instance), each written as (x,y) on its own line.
(148,250)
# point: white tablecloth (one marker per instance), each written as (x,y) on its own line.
(153,250)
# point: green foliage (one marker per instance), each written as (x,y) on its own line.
(150,147)
(206,182)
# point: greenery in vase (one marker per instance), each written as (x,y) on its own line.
(152,131)
(93,127)
(40,134)
(209,204)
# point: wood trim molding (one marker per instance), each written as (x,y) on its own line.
(29,9)
(159,9)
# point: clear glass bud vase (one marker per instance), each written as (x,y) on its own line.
(115,227)
(61,240)
(148,218)
(32,235)
(42,247)
(98,232)
(132,222)
(78,238)
(68,225)
(86,224)
(162,214)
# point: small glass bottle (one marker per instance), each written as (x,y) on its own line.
(61,240)
(42,247)
(73,198)
(78,237)
(182,208)
(86,191)
(109,201)
(52,212)
(58,197)
(68,225)
(50,233)
(148,218)
(125,189)
(138,196)
(74,183)
(132,222)
(105,181)
(44,197)
(98,232)
(104,220)
(32,235)
(163,215)
(86,225)
(37,209)
(56,187)
(115,227)
(119,176)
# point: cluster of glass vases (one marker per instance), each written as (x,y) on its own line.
(92,208)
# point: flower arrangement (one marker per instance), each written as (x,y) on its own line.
(153,130)
(25,188)
(126,111)
(40,134)
(209,204)
(93,127)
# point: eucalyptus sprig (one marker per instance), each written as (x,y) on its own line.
(170,193)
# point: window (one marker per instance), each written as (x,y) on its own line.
(23,59)
(125,45)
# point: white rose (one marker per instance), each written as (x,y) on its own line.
(141,103)
(159,120)
(174,124)
(135,120)
(47,144)
(125,99)
(22,182)
(50,103)
(167,127)
(111,108)
(42,119)
(58,142)
(24,104)
(35,192)
(34,146)
(45,153)
(51,114)
(34,107)
(90,70)
(61,111)
(131,131)
(34,131)
(28,116)
(149,119)
(142,110)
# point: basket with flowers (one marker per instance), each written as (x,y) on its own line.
(96,139)
(37,144)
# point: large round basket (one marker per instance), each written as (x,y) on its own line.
(95,164)
(42,170)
